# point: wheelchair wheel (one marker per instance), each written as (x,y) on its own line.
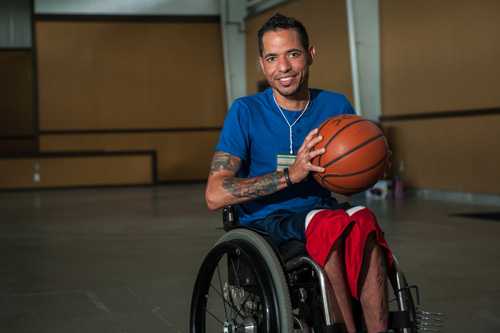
(241,287)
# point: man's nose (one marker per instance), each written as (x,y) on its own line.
(284,64)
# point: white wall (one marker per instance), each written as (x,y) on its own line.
(15,23)
(128,7)
(232,24)
(366,21)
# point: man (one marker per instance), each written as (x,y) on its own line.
(263,163)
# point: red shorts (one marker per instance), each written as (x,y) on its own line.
(325,227)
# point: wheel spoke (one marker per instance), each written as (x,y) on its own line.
(232,306)
(215,317)
(236,273)
(220,285)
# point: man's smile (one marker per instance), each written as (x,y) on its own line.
(286,81)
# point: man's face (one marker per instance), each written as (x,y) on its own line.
(285,62)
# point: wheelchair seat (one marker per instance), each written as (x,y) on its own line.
(288,250)
(292,249)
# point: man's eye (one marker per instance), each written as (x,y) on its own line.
(270,59)
(294,54)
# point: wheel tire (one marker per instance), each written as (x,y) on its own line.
(267,269)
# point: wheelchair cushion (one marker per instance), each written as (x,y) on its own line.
(286,250)
(292,249)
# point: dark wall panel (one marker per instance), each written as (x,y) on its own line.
(16,93)
(18,144)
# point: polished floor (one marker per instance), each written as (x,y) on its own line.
(125,259)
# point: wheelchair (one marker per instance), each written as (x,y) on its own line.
(246,285)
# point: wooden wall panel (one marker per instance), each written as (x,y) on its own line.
(454,154)
(181,155)
(18,145)
(75,171)
(326,24)
(441,58)
(439,55)
(16,93)
(115,75)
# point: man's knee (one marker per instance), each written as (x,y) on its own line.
(363,218)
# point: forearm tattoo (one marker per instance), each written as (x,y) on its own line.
(253,187)
(243,187)
(224,162)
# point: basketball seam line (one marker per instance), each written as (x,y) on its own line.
(353,150)
(357,172)
(338,132)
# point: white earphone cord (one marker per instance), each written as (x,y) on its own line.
(288,123)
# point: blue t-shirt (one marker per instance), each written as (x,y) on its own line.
(255,131)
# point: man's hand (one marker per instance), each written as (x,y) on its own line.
(302,165)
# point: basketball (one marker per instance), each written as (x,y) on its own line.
(355,157)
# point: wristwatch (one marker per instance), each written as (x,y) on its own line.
(286,173)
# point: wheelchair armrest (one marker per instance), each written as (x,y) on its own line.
(229,218)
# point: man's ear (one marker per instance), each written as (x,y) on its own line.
(311,55)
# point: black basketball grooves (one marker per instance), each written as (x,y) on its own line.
(324,178)
(357,172)
(333,136)
(353,150)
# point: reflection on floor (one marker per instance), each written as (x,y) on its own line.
(125,260)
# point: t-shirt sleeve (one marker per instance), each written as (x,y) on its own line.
(347,108)
(234,135)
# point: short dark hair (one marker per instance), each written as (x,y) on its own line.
(279,21)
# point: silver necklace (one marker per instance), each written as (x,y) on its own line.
(288,123)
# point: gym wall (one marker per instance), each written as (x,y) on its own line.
(52,170)
(326,24)
(117,85)
(16,101)
(440,96)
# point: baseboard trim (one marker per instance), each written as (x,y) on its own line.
(459,197)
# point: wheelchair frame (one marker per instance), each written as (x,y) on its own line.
(281,289)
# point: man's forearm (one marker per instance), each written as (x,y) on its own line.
(224,188)
(251,188)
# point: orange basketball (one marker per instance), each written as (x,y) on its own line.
(356,154)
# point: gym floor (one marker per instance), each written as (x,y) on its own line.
(125,259)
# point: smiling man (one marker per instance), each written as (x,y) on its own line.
(262,164)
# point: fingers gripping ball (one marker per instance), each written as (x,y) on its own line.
(356,154)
